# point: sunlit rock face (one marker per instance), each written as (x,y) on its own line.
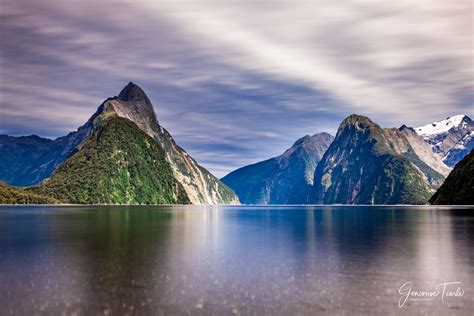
(367,164)
(451,138)
(286,179)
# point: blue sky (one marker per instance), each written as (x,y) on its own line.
(236,82)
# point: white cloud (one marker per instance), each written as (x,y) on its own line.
(361,52)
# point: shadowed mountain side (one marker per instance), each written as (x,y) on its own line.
(458,188)
(286,179)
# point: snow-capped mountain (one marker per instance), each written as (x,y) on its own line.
(452,138)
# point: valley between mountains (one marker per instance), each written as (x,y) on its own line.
(122,155)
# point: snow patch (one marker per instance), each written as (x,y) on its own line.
(440,127)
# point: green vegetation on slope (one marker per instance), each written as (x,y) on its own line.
(360,167)
(14,195)
(458,188)
(117,164)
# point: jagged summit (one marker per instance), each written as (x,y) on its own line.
(133,104)
(132,92)
(405,127)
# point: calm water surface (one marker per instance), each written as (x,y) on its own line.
(233,260)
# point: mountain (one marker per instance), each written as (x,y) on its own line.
(23,158)
(42,157)
(458,188)
(366,164)
(286,179)
(27,160)
(117,164)
(200,185)
(452,138)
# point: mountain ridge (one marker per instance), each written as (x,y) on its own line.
(285,179)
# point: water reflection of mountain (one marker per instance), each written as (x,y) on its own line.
(223,260)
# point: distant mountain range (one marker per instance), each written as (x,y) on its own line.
(286,179)
(364,164)
(120,155)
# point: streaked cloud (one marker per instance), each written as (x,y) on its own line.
(236,81)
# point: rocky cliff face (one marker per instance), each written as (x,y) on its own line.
(452,138)
(286,179)
(366,164)
(458,188)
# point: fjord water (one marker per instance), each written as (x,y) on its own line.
(232,260)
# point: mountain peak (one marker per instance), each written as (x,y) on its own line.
(132,104)
(308,140)
(358,121)
(314,145)
(322,135)
(132,92)
(404,127)
(356,118)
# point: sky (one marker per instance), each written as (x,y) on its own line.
(236,82)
